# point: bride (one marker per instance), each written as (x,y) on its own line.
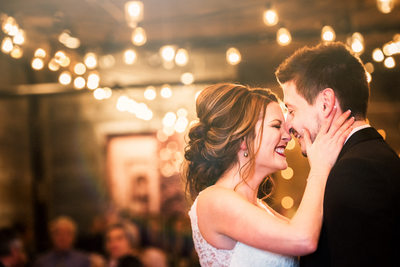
(239,140)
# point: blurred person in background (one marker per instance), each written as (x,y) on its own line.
(12,252)
(122,241)
(154,257)
(63,233)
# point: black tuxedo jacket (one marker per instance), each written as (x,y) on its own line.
(361,224)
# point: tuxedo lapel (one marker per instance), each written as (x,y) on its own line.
(358,137)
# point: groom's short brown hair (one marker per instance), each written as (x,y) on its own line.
(313,69)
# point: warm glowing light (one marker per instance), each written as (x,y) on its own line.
(369,67)
(19,38)
(385,6)
(65,78)
(390,49)
(40,53)
(187,78)
(150,93)
(182,112)
(291,144)
(377,55)
(161,136)
(270,17)
(10,26)
(62,59)
(129,56)
(166,91)
(139,37)
(167,53)
(79,83)
(356,42)
(80,68)
(181,124)
(53,66)
(16,52)
(369,76)
(133,12)
(233,56)
(102,93)
(287,202)
(37,63)
(73,43)
(328,34)
(181,57)
(90,60)
(382,132)
(389,62)
(283,37)
(107,61)
(169,119)
(287,173)
(93,81)
(7,45)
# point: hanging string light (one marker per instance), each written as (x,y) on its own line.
(167,53)
(130,56)
(377,55)
(389,62)
(328,34)
(356,42)
(283,37)
(16,52)
(181,57)
(133,13)
(166,91)
(90,60)
(385,6)
(7,45)
(139,37)
(37,63)
(65,78)
(233,56)
(270,17)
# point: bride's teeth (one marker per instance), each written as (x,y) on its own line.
(280,150)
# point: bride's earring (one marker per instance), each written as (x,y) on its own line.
(245,154)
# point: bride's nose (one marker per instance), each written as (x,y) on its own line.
(285,133)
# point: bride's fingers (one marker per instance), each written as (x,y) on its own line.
(338,123)
(327,123)
(343,137)
(345,126)
(307,139)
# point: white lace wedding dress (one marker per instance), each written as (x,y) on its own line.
(241,255)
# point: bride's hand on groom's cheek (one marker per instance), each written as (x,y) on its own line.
(329,141)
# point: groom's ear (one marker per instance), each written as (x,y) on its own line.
(326,101)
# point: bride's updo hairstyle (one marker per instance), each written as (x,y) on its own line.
(227,115)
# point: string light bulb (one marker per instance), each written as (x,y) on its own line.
(377,55)
(79,82)
(389,62)
(16,52)
(65,78)
(385,6)
(133,12)
(270,17)
(283,37)
(37,63)
(356,42)
(181,57)
(129,56)
(40,53)
(19,38)
(167,53)
(139,37)
(150,93)
(90,60)
(187,78)
(93,80)
(233,56)
(166,91)
(7,45)
(328,34)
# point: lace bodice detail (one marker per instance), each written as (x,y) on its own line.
(240,256)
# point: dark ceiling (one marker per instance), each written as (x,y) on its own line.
(207,24)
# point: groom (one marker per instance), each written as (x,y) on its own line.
(361,222)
